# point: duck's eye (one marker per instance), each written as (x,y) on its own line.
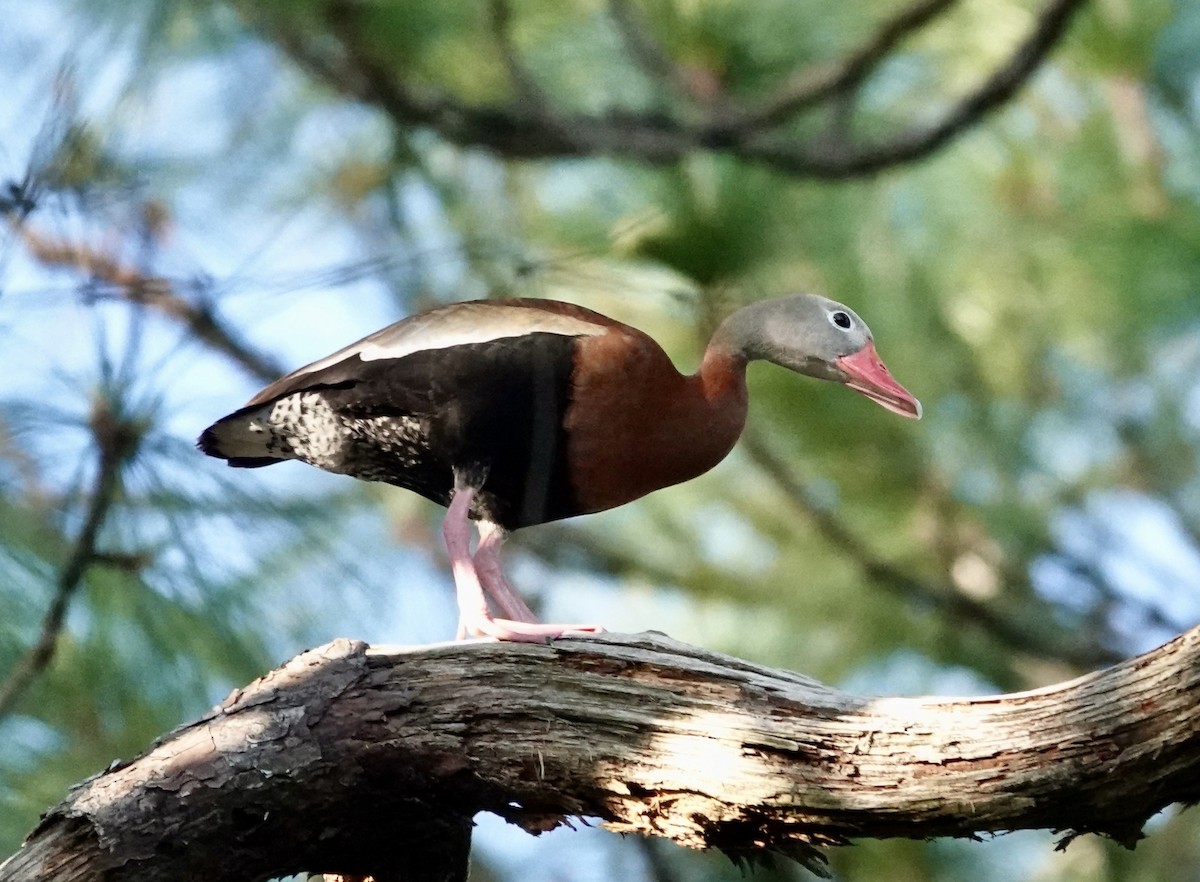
(841,319)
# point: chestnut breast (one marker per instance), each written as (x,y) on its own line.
(635,424)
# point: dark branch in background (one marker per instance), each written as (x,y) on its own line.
(847,160)
(818,82)
(957,606)
(155,292)
(526,130)
(116,438)
(500,19)
(116,441)
(649,54)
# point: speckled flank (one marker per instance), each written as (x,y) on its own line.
(300,427)
(306,427)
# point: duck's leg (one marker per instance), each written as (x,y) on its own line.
(491,574)
(474,618)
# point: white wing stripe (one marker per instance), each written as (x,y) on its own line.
(457,326)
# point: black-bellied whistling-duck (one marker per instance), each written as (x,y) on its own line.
(519,412)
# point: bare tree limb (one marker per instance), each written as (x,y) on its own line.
(354,760)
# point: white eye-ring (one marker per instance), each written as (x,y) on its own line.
(841,319)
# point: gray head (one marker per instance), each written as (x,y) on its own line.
(819,337)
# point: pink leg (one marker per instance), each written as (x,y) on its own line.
(491,574)
(456,531)
(474,618)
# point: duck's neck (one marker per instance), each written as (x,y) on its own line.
(721,382)
(722,376)
(695,423)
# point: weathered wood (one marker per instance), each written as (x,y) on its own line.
(358,760)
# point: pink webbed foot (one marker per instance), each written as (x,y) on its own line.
(521,632)
(475,620)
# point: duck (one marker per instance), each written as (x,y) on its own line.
(518,412)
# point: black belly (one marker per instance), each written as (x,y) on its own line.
(489,412)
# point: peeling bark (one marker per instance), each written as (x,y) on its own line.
(359,760)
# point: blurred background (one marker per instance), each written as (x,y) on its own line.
(198,196)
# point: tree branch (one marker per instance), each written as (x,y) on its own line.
(354,760)
(523,131)
(650,56)
(156,292)
(116,442)
(523,80)
(813,84)
(957,606)
(837,159)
